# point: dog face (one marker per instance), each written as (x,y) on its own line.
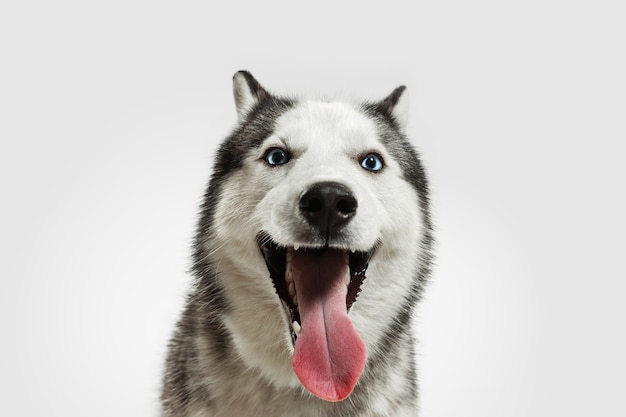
(312,232)
(328,143)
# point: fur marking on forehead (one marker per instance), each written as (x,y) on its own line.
(332,123)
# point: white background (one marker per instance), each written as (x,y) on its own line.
(110,114)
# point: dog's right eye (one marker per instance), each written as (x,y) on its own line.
(276,156)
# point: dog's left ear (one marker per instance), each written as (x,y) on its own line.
(396,105)
(248,93)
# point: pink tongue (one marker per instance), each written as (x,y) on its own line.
(329,354)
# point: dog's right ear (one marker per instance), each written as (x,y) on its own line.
(248,93)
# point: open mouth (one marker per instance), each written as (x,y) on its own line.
(279,263)
(317,287)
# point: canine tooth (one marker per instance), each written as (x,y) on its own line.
(296,247)
(296,327)
(288,277)
(295,300)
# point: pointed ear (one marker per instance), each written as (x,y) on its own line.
(248,92)
(396,105)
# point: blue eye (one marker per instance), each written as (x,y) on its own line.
(372,162)
(276,156)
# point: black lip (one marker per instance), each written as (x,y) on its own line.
(276,259)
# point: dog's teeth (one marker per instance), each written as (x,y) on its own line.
(288,276)
(296,247)
(295,300)
(296,327)
(291,289)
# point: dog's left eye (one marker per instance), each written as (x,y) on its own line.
(372,162)
(276,156)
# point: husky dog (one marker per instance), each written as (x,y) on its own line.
(313,247)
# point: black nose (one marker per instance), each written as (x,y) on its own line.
(328,206)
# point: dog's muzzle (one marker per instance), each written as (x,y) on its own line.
(318,280)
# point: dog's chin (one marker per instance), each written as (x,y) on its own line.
(279,258)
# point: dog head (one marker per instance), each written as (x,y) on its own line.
(315,196)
